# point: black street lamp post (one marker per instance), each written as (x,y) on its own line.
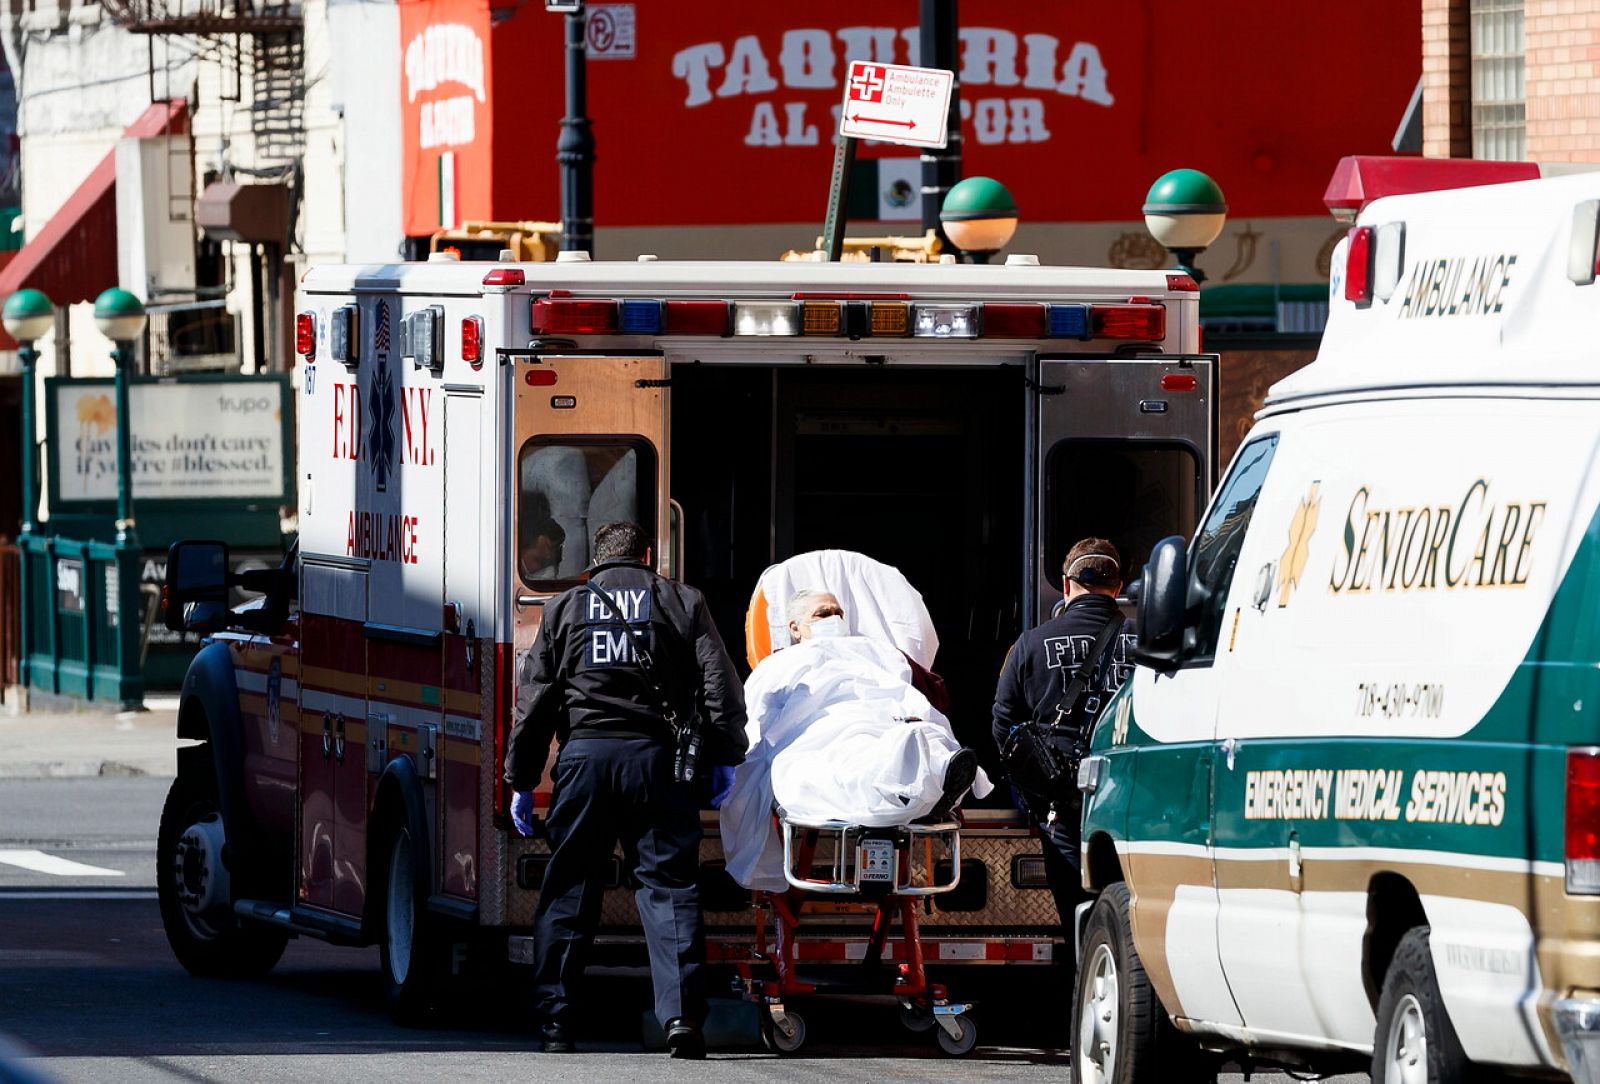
(575,148)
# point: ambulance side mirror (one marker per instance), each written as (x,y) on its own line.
(1163,603)
(197,572)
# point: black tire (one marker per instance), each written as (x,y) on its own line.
(1413,1025)
(411,946)
(214,944)
(1137,1044)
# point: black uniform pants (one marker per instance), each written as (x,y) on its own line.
(1063,867)
(606,790)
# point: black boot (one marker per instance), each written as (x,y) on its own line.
(557,1039)
(685,1040)
(959,774)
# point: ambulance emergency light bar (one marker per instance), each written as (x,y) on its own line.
(1138,319)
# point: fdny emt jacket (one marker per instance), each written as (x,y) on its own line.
(1043,660)
(581,678)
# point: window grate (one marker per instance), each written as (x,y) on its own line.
(1499,60)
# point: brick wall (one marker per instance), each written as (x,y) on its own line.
(1446,80)
(1563,73)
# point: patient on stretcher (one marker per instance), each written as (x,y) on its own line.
(839,731)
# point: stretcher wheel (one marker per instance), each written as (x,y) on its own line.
(959,1047)
(917,1018)
(779,1041)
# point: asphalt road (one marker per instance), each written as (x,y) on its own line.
(88,986)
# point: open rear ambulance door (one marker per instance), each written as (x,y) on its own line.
(590,449)
(1125,450)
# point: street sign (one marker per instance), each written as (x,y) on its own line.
(896,104)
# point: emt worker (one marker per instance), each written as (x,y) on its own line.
(583,682)
(1040,671)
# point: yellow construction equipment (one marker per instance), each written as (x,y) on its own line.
(924,249)
(528,242)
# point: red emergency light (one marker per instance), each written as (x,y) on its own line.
(1182,284)
(1180,382)
(472,341)
(1148,322)
(1013,321)
(305,335)
(505,276)
(1361,178)
(1358,266)
(574,316)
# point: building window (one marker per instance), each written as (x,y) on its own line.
(570,488)
(1499,127)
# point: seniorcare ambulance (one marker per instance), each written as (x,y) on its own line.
(1351,808)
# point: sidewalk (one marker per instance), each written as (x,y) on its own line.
(80,744)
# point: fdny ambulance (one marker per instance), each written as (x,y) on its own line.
(464,428)
(1348,813)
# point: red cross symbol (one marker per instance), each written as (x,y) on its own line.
(867,85)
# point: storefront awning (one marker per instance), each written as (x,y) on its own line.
(74,256)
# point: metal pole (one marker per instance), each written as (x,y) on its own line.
(833,229)
(941,166)
(575,148)
(127,534)
(27,355)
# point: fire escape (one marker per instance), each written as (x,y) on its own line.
(258,50)
(261,45)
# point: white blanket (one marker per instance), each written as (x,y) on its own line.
(837,732)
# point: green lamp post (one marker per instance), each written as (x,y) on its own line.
(28,316)
(979,216)
(120,317)
(1185,212)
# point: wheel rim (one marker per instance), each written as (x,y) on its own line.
(401,905)
(188,875)
(1096,1051)
(1407,1054)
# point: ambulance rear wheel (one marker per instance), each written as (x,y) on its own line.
(1120,1033)
(193,894)
(1415,1042)
(411,948)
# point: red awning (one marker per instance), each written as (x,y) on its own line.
(75,256)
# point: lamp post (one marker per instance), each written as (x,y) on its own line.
(575,147)
(1185,212)
(979,216)
(28,316)
(120,317)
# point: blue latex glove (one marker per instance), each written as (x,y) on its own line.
(522,814)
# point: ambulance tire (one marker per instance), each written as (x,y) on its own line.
(1413,1026)
(1140,1046)
(411,946)
(211,945)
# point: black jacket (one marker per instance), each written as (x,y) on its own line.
(1043,660)
(581,679)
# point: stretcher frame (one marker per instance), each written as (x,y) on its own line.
(924,1006)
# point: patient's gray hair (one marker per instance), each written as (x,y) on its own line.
(800,603)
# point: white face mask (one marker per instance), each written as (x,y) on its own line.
(828,628)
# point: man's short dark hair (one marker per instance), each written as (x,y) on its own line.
(551,530)
(616,540)
(1093,562)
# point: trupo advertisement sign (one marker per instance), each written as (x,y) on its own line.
(195,439)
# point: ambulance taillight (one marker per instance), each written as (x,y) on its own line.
(1583,821)
(1583,252)
(1358,266)
(472,341)
(1146,322)
(1180,382)
(305,335)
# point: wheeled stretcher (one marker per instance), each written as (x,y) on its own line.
(882,864)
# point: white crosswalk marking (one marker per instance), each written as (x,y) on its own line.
(39,862)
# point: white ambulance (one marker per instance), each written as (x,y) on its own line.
(463,430)
(1349,812)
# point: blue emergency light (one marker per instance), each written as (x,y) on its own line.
(642,316)
(1066,321)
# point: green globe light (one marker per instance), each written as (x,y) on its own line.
(28,315)
(979,216)
(119,315)
(1185,210)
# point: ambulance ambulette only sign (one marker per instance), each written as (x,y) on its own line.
(895,103)
(202,439)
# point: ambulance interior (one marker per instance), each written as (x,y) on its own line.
(926,469)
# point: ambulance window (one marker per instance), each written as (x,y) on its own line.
(569,488)
(1216,549)
(1133,493)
